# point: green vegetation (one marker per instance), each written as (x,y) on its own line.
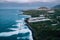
(46,30)
(57,7)
(34,13)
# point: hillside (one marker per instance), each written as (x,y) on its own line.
(57,6)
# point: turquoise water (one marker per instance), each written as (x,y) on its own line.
(8,18)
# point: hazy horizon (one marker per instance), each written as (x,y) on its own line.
(28,3)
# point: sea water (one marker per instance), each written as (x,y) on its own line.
(12,26)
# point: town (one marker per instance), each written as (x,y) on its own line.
(45,22)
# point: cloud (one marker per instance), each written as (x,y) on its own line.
(27,1)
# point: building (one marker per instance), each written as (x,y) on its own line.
(43,8)
(38,19)
(46,9)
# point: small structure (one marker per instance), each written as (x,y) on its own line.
(51,11)
(46,9)
(38,19)
(43,8)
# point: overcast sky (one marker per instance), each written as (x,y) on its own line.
(29,1)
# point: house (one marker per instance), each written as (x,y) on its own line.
(38,19)
(43,8)
(46,9)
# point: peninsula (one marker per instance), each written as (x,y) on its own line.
(45,22)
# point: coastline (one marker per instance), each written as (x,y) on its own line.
(33,32)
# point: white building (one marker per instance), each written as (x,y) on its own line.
(38,19)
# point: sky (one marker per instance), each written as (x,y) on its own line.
(29,1)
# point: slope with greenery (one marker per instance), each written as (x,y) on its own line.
(47,30)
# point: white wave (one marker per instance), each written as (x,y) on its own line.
(13,29)
(20,29)
(5,34)
(17,31)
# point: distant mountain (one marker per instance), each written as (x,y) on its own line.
(57,7)
(25,5)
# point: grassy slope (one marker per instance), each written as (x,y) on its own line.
(34,13)
(44,30)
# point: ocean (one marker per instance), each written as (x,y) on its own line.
(10,25)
